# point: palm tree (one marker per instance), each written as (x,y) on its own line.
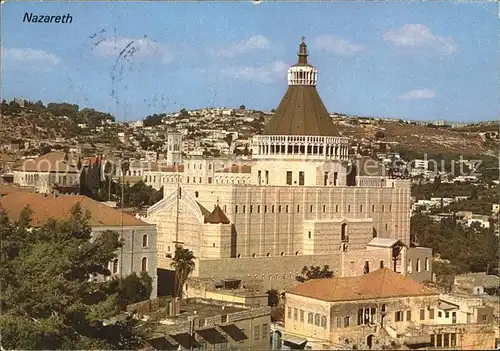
(183,263)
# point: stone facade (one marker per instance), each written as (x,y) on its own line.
(137,254)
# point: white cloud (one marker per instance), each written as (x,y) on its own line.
(264,74)
(337,46)
(27,56)
(417,38)
(133,48)
(418,94)
(256,42)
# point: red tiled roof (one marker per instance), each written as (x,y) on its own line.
(51,162)
(47,206)
(237,169)
(382,283)
(171,168)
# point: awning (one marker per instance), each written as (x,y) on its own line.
(185,340)
(234,332)
(212,335)
(294,340)
(162,344)
(418,340)
(446,306)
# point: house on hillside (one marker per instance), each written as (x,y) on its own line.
(138,253)
(48,172)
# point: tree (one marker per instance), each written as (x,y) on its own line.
(314,272)
(133,288)
(229,139)
(379,135)
(183,264)
(47,298)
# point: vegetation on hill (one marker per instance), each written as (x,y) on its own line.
(47,298)
(469,249)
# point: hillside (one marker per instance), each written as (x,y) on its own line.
(22,120)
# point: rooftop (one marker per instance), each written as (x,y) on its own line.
(301,111)
(45,207)
(50,162)
(382,283)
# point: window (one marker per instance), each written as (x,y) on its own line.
(256,332)
(366,268)
(196,194)
(335,176)
(272,209)
(310,208)
(347,321)
(309,235)
(383,208)
(360,316)
(336,208)
(439,340)
(453,339)
(433,340)
(267,177)
(244,208)
(422,314)
(373,208)
(115,265)
(258,208)
(323,321)
(408,315)
(447,315)
(144,264)
(265,208)
(316,319)
(298,208)
(398,316)
(348,208)
(259,176)
(310,318)
(289,312)
(286,208)
(390,208)
(251,208)
(295,314)
(426,264)
(236,209)
(360,208)
(324,208)
(265,330)
(339,322)
(381,264)
(301,178)
(343,232)
(301,315)
(144,241)
(440,314)
(279,208)
(409,268)
(446,339)
(418,265)
(289,177)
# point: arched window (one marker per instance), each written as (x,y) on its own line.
(144,264)
(427,263)
(115,266)
(418,265)
(144,241)
(343,232)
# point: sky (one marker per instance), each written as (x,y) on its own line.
(409,60)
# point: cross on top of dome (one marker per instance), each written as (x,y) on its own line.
(303,51)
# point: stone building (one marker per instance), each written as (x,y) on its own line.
(299,201)
(199,324)
(138,252)
(47,172)
(379,310)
